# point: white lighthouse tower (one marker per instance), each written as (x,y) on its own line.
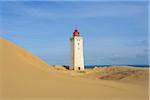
(77,55)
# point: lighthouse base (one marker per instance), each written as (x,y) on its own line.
(77,68)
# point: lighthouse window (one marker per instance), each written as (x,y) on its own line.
(78,43)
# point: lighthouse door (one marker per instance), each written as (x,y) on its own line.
(78,68)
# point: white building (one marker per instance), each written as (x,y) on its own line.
(77,54)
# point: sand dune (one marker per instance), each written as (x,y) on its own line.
(26,77)
(120,73)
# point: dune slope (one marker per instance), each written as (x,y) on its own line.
(26,77)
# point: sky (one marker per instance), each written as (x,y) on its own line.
(114,32)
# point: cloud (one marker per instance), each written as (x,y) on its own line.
(138,43)
(73,9)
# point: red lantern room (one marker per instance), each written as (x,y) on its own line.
(75,33)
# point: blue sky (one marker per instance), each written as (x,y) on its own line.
(115,32)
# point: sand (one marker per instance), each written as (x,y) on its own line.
(23,76)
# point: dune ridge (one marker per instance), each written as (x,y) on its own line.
(26,77)
(117,73)
(20,53)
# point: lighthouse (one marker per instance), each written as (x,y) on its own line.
(77,54)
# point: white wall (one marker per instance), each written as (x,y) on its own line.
(77,56)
